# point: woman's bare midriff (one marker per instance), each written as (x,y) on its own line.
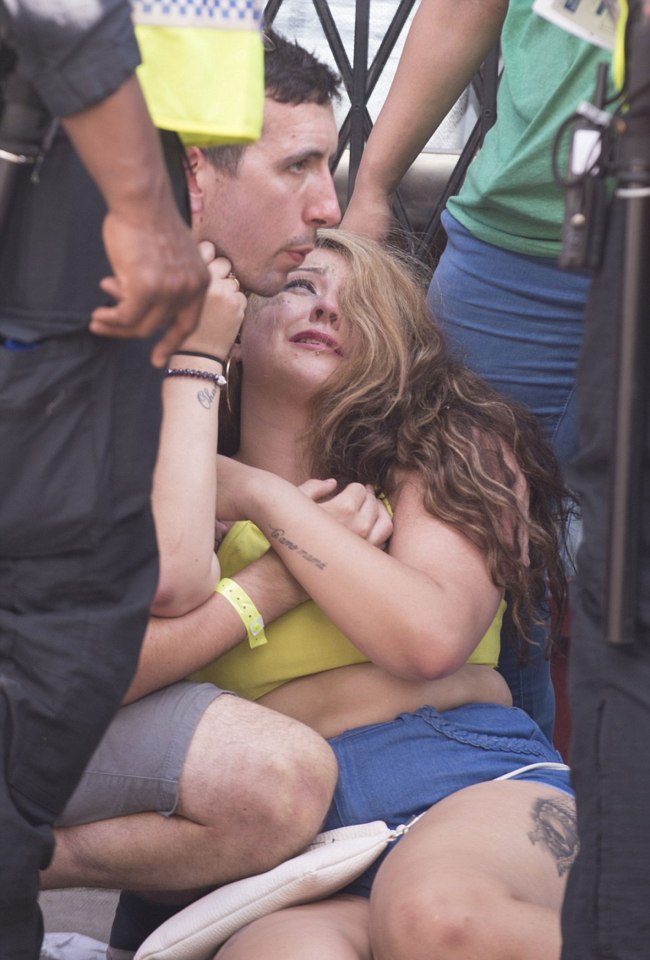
(352,696)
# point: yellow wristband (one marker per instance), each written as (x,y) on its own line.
(250,615)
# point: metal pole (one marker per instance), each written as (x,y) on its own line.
(358,95)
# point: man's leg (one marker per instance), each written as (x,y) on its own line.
(240,787)
(77,571)
(605,911)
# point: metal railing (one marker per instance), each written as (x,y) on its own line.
(360,75)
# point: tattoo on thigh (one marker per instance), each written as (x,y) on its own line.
(555,826)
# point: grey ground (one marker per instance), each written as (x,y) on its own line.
(84,911)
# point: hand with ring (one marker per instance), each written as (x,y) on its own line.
(223,308)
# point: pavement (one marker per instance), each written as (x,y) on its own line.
(83,911)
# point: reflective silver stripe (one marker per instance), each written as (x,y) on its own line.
(218,14)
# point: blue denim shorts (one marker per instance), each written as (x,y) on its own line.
(395,771)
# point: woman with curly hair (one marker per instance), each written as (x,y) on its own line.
(391,656)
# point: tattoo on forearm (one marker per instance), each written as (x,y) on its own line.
(206,396)
(277,534)
(555,826)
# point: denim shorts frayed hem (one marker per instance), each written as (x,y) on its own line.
(396,771)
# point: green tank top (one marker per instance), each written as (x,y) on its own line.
(509,197)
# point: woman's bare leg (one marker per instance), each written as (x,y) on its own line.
(480,877)
(334,929)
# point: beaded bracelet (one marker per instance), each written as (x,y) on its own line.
(217,378)
(195,353)
(248,612)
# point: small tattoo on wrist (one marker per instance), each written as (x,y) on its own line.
(206,397)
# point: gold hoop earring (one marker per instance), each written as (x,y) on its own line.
(229,389)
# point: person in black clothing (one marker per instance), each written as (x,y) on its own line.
(79,409)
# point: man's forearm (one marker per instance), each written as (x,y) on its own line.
(159,279)
(173,648)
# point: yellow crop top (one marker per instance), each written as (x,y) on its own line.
(302,641)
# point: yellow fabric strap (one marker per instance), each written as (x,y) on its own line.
(618,69)
(250,615)
(207,84)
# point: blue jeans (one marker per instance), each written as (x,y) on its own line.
(518,322)
(395,771)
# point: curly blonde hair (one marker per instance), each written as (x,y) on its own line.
(402,403)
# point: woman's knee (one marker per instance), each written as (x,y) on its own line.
(448,921)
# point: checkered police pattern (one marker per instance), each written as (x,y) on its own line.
(238,14)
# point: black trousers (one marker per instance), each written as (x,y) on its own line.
(79,424)
(606,911)
(78,566)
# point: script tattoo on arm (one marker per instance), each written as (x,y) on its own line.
(555,827)
(278,535)
(206,396)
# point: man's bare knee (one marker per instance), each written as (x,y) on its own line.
(260,772)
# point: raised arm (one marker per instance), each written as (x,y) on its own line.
(447,42)
(418,610)
(185,478)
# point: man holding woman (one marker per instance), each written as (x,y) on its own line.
(390,652)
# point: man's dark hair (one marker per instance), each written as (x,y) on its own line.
(291,75)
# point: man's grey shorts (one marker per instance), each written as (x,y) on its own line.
(137,766)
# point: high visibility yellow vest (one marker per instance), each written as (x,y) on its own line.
(202,70)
